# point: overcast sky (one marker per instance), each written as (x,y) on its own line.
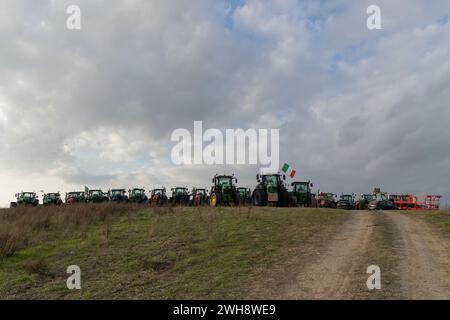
(356,108)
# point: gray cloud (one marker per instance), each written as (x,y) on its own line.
(355,108)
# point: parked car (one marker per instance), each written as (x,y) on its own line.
(382,205)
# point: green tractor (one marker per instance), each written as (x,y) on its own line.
(302,191)
(137,195)
(364,200)
(52,199)
(245,195)
(223,191)
(180,196)
(25,199)
(96,196)
(272,190)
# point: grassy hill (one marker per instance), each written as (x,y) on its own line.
(141,252)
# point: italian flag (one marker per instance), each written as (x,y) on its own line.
(287,168)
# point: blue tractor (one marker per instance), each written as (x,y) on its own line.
(118,195)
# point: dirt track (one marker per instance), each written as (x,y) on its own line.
(414,262)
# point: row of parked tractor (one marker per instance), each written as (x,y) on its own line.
(271,189)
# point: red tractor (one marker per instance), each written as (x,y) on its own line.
(75,197)
(199,197)
(158,197)
(326,200)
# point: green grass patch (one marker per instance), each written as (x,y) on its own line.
(162,253)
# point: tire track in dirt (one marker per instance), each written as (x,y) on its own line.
(424,259)
(329,266)
(414,261)
(334,274)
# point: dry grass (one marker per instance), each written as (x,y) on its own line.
(150,252)
(28,226)
(38,267)
(440,220)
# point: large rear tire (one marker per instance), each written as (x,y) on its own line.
(285,199)
(259,198)
(214,199)
(237,199)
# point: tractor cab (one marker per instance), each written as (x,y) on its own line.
(223,190)
(346,201)
(201,192)
(302,191)
(137,195)
(95,196)
(117,195)
(180,195)
(75,197)
(26,196)
(158,192)
(326,200)
(271,189)
(52,199)
(224,182)
(199,196)
(25,199)
(245,194)
(158,196)
(180,190)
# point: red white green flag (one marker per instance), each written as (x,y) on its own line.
(287,168)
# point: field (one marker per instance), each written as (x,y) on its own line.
(136,252)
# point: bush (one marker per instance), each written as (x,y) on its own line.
(9,243)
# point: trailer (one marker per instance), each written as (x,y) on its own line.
(418,203)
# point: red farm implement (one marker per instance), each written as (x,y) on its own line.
(411,202)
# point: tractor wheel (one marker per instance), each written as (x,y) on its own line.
(259,198)
(214,199)
(13,205)
(198,200)
(293,200)
(237,199)
(285,199)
